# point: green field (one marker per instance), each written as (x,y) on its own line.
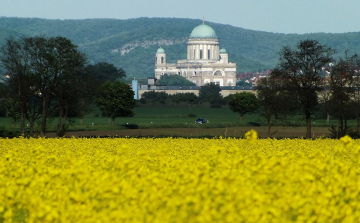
(146,118)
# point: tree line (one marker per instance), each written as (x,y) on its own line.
(308,78)
(209,96)
(306,81)
(49,77)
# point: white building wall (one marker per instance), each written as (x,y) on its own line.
(200,70)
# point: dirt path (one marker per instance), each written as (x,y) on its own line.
(281,132)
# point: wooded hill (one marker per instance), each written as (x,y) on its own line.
(132,44)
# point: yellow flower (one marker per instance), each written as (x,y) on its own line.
(179,180)
(346,140)
(251,135)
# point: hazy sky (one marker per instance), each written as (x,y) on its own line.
(281,16)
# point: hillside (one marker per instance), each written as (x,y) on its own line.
(131,44)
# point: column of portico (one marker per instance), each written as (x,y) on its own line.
(197,52)
(188,56)
(217,52)
(199,46)
(192,52)
(212,52)
(205,51)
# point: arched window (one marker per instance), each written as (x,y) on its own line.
(162,59)
(218,73)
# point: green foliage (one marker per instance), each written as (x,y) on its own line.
(300,72)
(46,70)
(115,99)
(243,103)
(190,98)
(210,92)
(162,98)
(154,97)
(3,93)
(104,71)
(275,103)
(101,72)
(344,100)
(174,80)
(104,40)
(8,134)
(13,109)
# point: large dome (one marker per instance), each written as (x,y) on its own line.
(203,31)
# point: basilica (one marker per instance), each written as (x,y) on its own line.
(205,62)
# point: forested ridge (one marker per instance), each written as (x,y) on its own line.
(131,44)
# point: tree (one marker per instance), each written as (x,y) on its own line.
(3,96)
(302,73)
(115,99)
(189,98)
(244,102)
(12,108)
(56,61)
(342,77)
(104,71)
(324,100)
(210,92)
(101,72)
(354,64)
(16,59)
(72,98)
(274,102)
(174,80)
(267,95)
(154,97)
(38,67)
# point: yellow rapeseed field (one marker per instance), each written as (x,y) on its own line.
(179,180)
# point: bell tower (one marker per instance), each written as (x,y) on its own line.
(160,57)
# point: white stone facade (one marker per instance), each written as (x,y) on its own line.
(205,62)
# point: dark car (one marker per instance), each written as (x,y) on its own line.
(200,121)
